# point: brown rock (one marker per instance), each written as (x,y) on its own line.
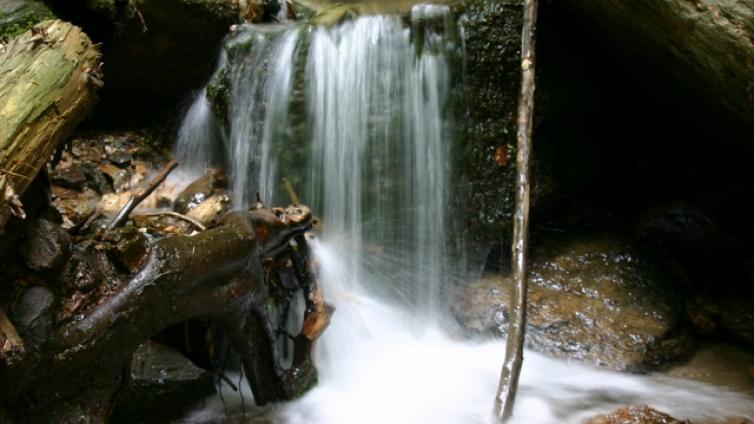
(636,415)
(596,300)
(210,209)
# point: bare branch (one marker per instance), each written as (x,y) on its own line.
(140,195)
(514,346)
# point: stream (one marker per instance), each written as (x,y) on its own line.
(360,118)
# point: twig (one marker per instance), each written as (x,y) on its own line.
(177,215)
(11,343)
(227,380)
(291,192)
(140,195)
(514,346)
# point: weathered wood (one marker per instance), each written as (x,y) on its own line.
(514,346)
(48,79)
(702,49)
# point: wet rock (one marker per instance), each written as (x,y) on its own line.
(636,415)
(32,313)
(199,190)
(164,383)
(595,299)
(119,157)
(47,246)
(70,177)
(721,364)
(211,209)
(492,41)
(130,248)
(96,178)
(111,203)
(737,319)
(75,207)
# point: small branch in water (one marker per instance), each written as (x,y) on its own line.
(227,380)
(514,347)
(199,226)
(140,195)
(291,192)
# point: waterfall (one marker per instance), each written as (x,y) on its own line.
(359,118)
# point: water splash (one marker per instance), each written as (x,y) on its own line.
(359,117)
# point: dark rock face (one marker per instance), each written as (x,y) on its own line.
(597,300)
(493,42)
(636,415)
(163,385)
(737,319)
(155,52)
(47,246)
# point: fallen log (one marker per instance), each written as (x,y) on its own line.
(48,79)
(222,274)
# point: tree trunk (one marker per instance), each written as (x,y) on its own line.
(703,49)
(48,79)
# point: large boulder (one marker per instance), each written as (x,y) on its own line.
(697,56)
(597,300)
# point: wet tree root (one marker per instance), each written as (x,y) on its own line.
(227,273)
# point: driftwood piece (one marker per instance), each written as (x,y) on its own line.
(220,273)
(514,346)
(11,345)
(199,226)
(142,194)
(47,86)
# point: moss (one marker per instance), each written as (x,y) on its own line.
(218,94)
(18,16)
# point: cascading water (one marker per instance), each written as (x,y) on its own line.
(359,118)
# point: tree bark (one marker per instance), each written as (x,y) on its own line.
(703,49)
(48,79)
(221,273)
(514,346)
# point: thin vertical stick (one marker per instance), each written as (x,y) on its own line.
(514,347)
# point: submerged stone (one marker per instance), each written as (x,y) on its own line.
(596,300)
(163,385)
(636,415)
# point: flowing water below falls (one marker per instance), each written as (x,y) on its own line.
(359,117)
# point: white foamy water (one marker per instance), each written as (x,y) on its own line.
(381,364)
(358,116)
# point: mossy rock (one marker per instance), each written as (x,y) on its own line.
(17,16)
